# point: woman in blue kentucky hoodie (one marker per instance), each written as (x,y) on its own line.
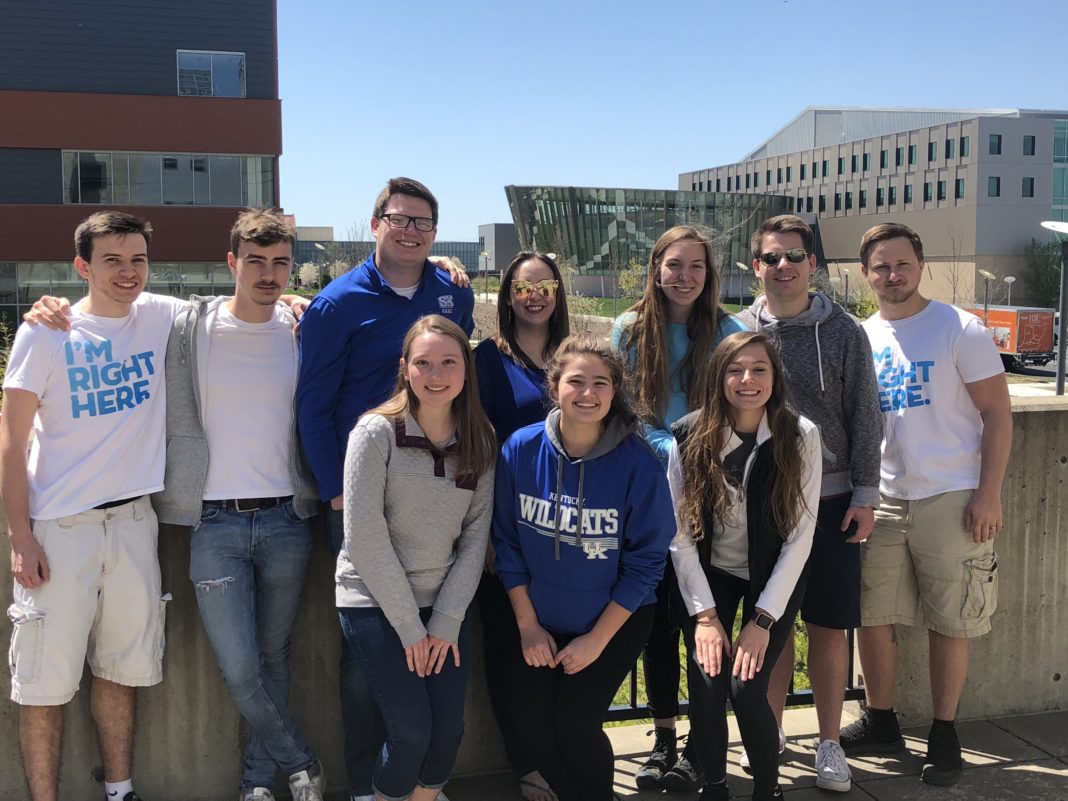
(581,525)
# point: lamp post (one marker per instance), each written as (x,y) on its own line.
(1060,227)
(987,278)
(486,256)
(322,251)
(742,270)
(835,281)
(1010,280)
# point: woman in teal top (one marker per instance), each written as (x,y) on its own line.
(667,339)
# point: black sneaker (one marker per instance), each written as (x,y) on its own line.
(872,734)
(943,764)
(774,795)
(686,774)
(665,754)
(715,792)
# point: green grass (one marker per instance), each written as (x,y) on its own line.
(800,674)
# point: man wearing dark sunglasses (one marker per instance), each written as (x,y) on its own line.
(351,338)
(831,381)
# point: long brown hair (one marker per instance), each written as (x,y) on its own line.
(559,323)
(476,442)
(584,343)
(704,478)
(648,375)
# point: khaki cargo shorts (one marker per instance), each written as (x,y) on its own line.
(102,603)
(921,566)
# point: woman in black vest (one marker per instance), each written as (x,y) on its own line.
(745,477)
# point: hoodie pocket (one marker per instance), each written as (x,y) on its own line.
(27,643)
(980,587)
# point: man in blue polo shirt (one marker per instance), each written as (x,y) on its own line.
(351,339)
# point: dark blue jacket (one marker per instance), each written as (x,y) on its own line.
(620,493)
(513,395)
(350,344)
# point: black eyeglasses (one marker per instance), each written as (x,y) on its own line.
(794,256)
(400,222)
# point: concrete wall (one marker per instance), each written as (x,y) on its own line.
(188,735)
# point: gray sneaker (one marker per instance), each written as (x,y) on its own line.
(832,769)
(256,794)
(308,784)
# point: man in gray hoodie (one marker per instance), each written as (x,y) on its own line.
(236,475)
(831,381)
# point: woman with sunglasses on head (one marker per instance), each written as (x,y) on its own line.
(667,339)
(581,525)
(745,475)
(418,502)
(532,321)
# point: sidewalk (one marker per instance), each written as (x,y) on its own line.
(1023,757)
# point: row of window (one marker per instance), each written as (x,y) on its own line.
(166,179)
(993,187)
(887,196)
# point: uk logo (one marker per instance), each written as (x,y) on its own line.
(595,549)
(446,303)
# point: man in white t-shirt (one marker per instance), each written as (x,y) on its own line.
(930,559)
(83,533)
(236,474)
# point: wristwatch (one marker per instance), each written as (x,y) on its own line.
(763,620)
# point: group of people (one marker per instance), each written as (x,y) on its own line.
(700,473)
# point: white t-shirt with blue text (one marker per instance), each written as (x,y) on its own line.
(101,420)
(933,437)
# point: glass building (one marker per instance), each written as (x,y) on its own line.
(598,231)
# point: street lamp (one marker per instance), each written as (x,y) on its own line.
(1060,227)
(321,249)
(486,255)
(743,269)
(987,278)
(1010,280)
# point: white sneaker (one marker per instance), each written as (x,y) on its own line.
(743,760)
(306,787)
(832,769)
(254,793)
(363,797)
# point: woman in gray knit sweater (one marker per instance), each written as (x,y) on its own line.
(418,504)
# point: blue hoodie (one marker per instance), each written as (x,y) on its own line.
(618,490)
(350,343)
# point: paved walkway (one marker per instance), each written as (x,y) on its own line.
(1023,757)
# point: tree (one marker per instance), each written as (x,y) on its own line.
(1044,272)
(956,244)
(632,280)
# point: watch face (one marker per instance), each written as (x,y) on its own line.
(764,621)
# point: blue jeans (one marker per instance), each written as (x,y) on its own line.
(361,721)
(424,716)
(248,569)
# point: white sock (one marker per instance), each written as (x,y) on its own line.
(118,789)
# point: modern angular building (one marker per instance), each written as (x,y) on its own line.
(973,183)
(167,110)
(598,231)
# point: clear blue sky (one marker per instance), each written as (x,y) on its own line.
(470,96)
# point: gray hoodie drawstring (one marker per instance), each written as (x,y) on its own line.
(582,479)
(819,357)
(556,521)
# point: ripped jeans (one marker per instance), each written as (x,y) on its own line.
(248,569)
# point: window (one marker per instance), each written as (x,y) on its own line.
(995,144)
(867,162)
(729,183)
(853,163)
(693,186)
(815,169)
(965,146)
(912,154)
(808,203)
(837,201)
(927,194)
(932,151)
(951,145)
(801,174)
(700,186)
(908,193)
(778,175)
(958,189)
(892,196)
(884,159)
(756,179)
(748,180)
(203,73)
(1029,146)
(1028,189)
(718,185)
(767,178)
(993,186)
(899,156)
(863,198)
(823,203)
(789,170)
(880,197)
(800,205)
(841,165)
(825,162)
(941,190)
(156,179)
(849,200)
